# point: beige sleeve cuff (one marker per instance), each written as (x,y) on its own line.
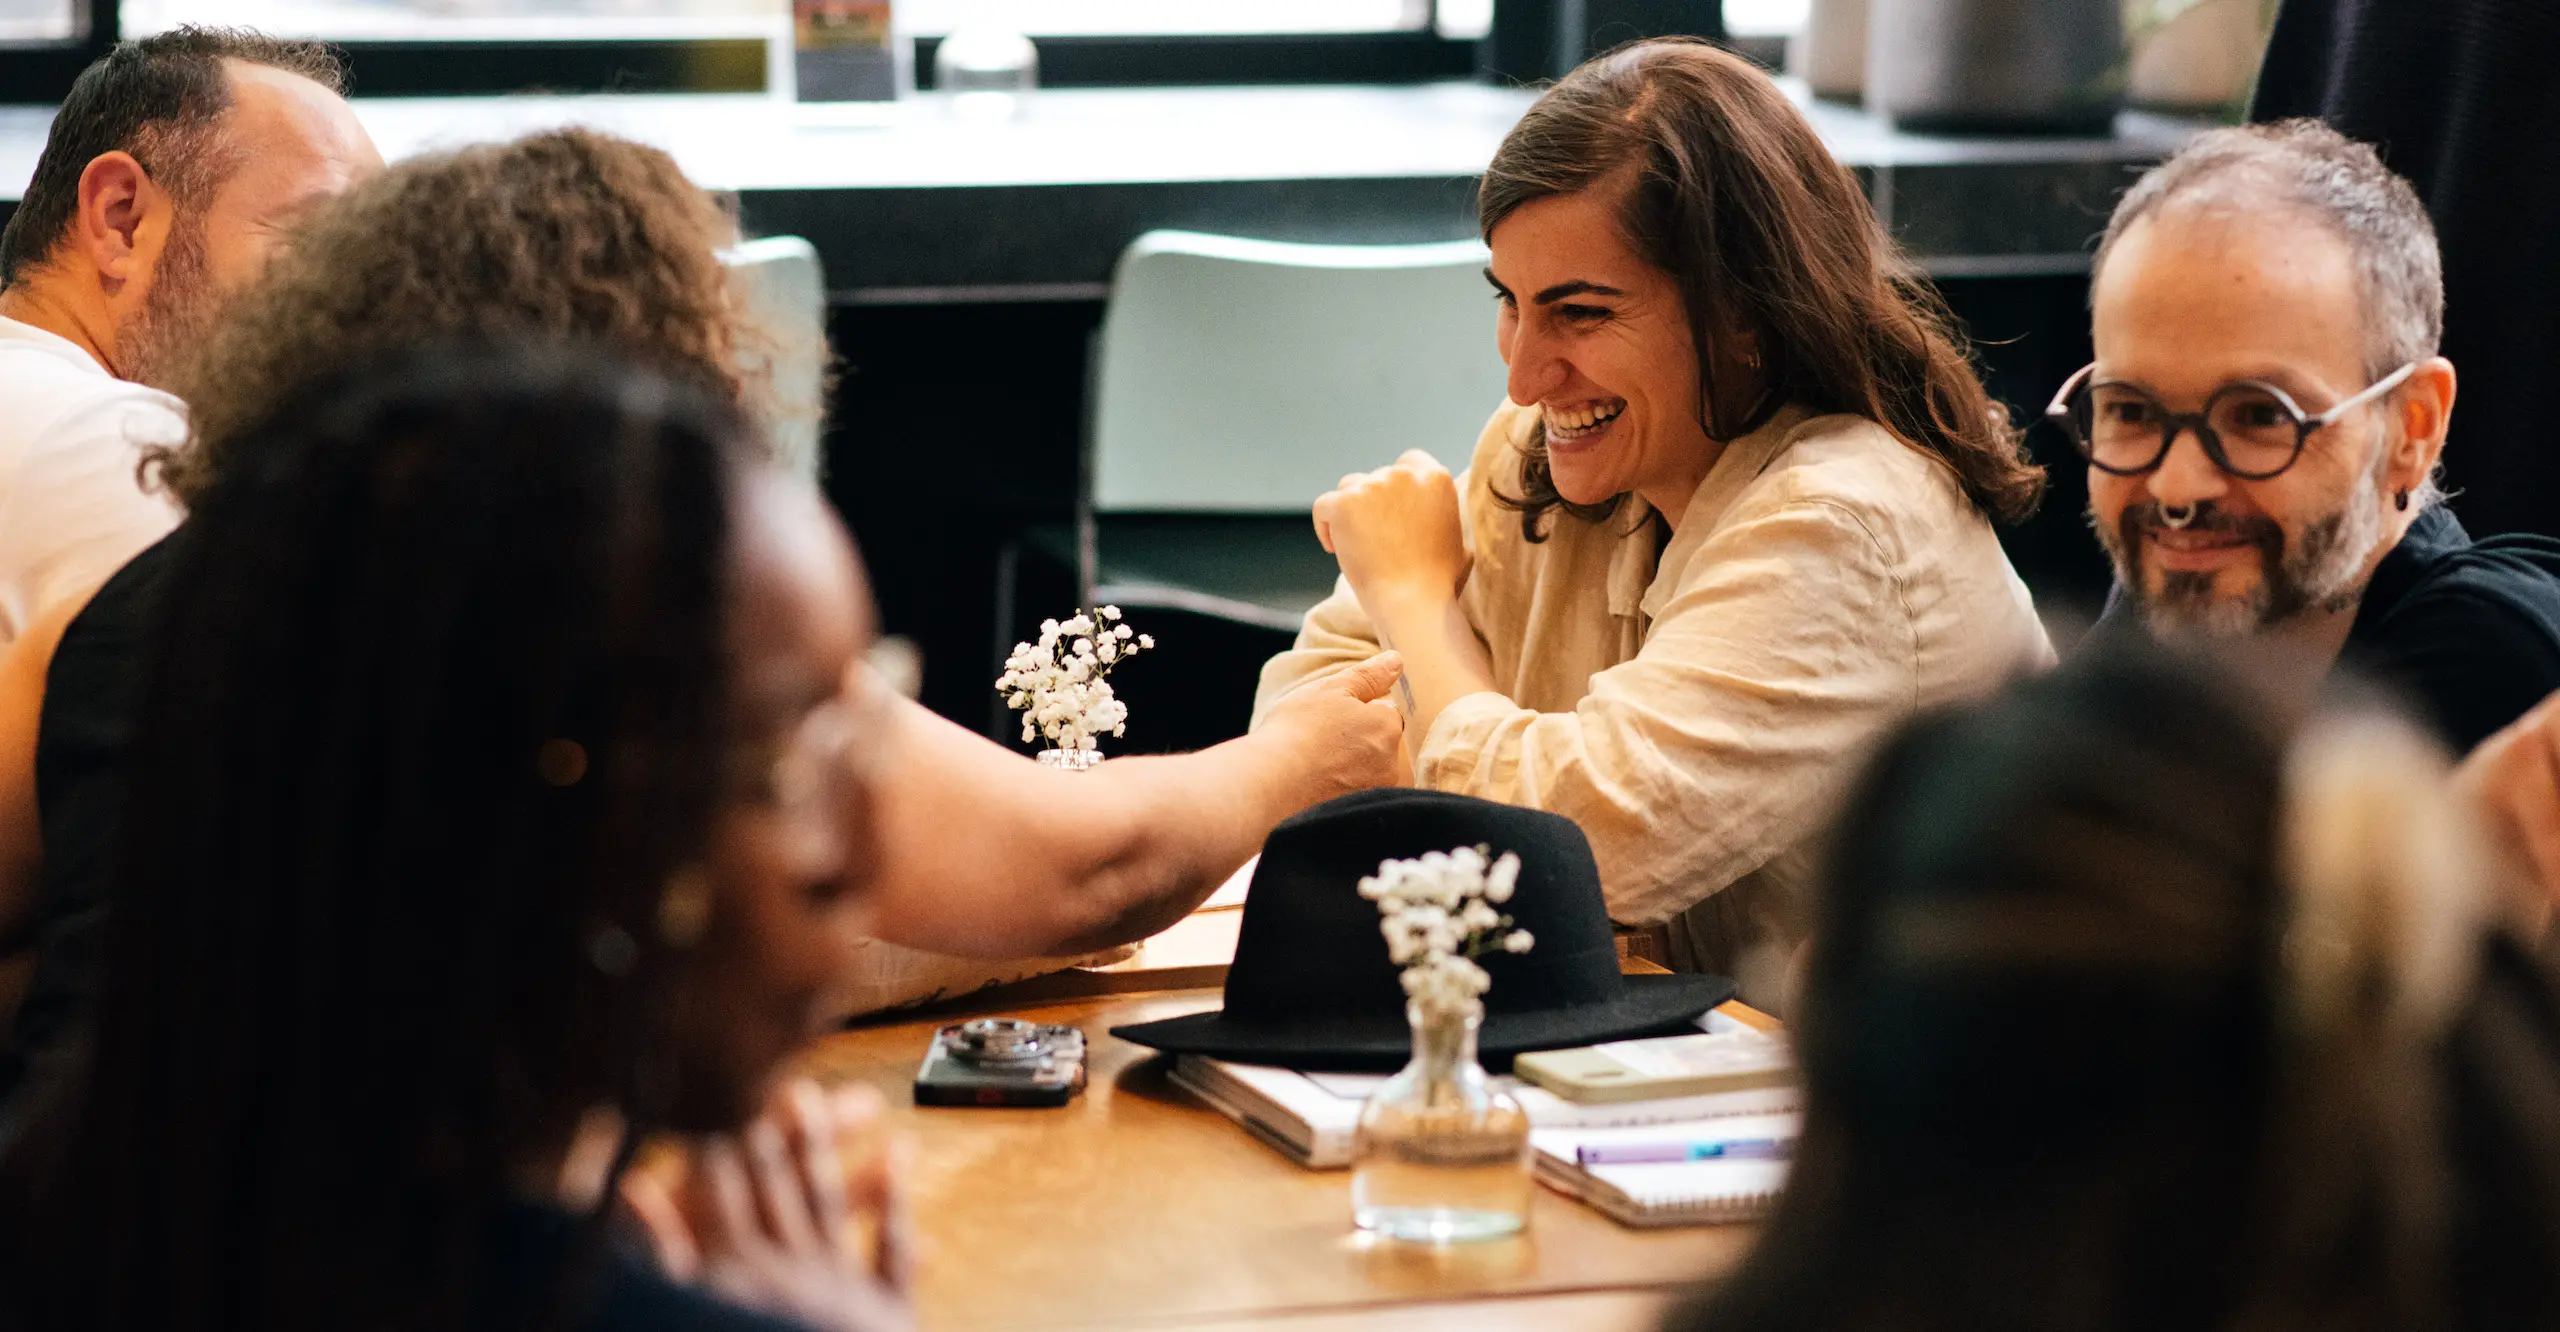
(1336,634)
(1462,743)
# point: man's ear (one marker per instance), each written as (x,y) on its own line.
(117,199)
(2426,417)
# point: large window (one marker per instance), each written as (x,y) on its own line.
(402,20)
(467,46)
(466,20)
(1766,18)
(1136,18)
(31,21)
(420,47)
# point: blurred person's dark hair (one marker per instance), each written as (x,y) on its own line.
(161,99)
(2135,1003)
(565,234)
(1737,199)
(433,710)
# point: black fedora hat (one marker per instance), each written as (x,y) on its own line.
(1312,987)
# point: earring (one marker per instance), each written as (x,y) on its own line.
(2401,501)
(1752,359)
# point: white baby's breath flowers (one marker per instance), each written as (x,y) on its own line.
(1438,914)
(1060,684)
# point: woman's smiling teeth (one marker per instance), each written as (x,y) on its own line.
(1576,422)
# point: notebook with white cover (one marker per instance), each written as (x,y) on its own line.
(1686,1193)
(1309,1117)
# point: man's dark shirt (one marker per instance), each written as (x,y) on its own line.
(2467,632)
(80,784)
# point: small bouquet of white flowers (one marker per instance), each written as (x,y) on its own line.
(1061,684)
(1438,912)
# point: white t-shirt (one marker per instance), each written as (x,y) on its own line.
(71,509)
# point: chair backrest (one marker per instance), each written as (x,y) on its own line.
(784,285)
(1246,376)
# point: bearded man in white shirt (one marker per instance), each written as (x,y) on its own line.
(171,171)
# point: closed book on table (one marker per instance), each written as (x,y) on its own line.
(1656,1067)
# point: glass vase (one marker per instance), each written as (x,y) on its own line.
(1441,1155)
(986,67)
(1069,760)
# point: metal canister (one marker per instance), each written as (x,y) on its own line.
(1996,66)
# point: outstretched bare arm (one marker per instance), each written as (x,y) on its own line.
(980,852)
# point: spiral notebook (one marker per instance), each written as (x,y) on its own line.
(1687,1193)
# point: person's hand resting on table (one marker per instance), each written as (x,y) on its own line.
(1397,535)
(802,1213)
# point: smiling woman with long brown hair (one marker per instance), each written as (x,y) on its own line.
(1735,521)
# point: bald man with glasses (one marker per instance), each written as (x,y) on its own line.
(2263,426)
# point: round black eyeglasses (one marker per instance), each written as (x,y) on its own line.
(2250,429)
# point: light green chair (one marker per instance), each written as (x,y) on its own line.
(1233,382)
(783,283)
(1236,380)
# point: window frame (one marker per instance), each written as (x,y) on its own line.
(1236,59)
(42,73)
(424,67)
(1531,41)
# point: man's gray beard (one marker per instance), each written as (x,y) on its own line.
(175,313)
(2324,569)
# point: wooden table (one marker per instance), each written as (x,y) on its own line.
(1136,1207)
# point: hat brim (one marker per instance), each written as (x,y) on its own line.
(1336,1044)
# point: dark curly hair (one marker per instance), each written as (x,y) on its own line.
(1737,199)
(566,234)
(347,984)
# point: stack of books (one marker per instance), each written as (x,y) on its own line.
(1675,1130)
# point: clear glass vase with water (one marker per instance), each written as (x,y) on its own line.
(1441,1155)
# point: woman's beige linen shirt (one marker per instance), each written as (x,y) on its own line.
(1699,715)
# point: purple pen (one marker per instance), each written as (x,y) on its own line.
(1664,1153)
